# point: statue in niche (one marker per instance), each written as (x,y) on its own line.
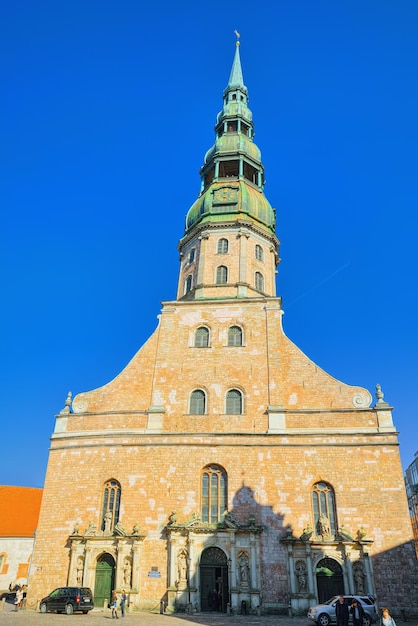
(323,527)
(244,569)
(359,579)
(80,569)
(300,571)
(182,565)
(127,573)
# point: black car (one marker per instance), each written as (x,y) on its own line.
(68,600)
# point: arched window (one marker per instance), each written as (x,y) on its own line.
(201,337)
(259,281)
(188,284)
(197,402)
(323,505)
(234,336)
(259,253)
(233,402)
(214,493)
(223,246)
(192,254)
(221,275)
(111,505)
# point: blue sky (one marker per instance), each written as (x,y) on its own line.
(107,109)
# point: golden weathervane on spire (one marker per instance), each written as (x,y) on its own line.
(237,36)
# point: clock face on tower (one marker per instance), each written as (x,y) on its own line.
(225,195)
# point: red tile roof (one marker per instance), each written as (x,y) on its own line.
(19,511)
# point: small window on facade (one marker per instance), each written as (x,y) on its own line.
(259,281)
(221,275)
(214,494)
(233,404)
(324,512)
(188,284)
(201,337)
(223,246)
(259,253)
(111,505)
(197,402)
(235,336)
(192,255)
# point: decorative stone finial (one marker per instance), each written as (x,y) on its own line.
(67,406)
(379,393)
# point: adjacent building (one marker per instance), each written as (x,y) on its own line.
(222,466)
(19,508)
(411,483)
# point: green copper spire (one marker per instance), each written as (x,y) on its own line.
(236,78)
(233,167)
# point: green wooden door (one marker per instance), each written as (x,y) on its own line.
(104,583)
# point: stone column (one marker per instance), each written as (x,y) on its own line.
(73,561)
(292,577)
(233,561)
(136,565)
(253,562)
(311,585)
(349,571)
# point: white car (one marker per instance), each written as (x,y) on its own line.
(324,614)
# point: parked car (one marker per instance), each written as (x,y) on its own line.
(324,614)
(68,600)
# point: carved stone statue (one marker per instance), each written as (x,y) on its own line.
(307,533)
(127,573)
(323,527)
(244,569)
(107,522)
(182,565)
(135,529)
(172,518)
(120,530)
(300,571)
(80,569)
(359,579)
(91,529)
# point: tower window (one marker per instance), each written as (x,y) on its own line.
(259,281)
(111,505)
(232,127)
(233,403)
(188,284)
(228,169)
(223,246)
(214,494)
(209,176)
(192,255)
(234,336)
(250,173)
(221,275)
(201,337)
(197,405)
(259,253)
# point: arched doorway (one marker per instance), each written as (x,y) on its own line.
(329,579)
(105,579)
(214,577)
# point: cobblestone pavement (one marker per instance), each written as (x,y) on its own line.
(9,617)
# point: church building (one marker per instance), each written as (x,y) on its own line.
(222,469)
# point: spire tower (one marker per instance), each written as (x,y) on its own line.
(230,249)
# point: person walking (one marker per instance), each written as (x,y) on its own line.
(357,612)
(122,602)
(341,611)
(114,605)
